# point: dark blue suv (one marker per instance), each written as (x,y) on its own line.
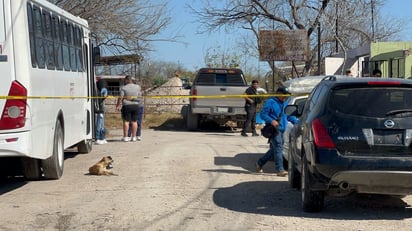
(355,136)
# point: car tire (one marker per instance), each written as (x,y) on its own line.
(293,173)
(312,201)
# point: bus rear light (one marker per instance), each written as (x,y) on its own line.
(321,135)
(14,111)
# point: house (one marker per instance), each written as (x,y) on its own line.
(392,58)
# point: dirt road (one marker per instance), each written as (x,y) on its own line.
(184,181)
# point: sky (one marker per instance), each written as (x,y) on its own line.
(191,50)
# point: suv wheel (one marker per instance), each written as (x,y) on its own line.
(312,201)
(293,173)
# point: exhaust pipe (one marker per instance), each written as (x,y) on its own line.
(344,185)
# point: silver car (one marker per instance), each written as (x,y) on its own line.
(300,89)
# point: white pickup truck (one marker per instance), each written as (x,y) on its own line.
(218,92)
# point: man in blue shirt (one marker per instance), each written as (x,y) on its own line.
(273,113)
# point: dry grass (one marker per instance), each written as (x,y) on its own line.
(165,120)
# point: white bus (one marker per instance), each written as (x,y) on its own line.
(45,58)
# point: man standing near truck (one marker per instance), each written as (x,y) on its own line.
(251,103)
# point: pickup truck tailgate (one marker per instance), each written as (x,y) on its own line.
(225,96)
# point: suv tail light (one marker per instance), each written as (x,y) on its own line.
(321,135)
(194,93)
(14,111)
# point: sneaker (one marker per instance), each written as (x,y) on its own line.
(139,138)
(258,168)
(282,173)
(255,134)
(243,134)
(133,139)
(99,142)
(126,139)
(105,141)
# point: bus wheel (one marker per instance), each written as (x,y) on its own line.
(85,146)
(31,168)
(53,166)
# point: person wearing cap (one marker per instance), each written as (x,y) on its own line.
(251,102)
(273,113)
(130,108)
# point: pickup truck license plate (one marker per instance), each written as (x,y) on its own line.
(222,109)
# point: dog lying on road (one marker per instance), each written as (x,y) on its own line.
(103,167)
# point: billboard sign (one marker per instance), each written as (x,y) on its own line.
(283,45)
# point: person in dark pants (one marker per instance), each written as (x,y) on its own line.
(139,123)
(250,108)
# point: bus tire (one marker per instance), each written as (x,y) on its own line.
(53,166)
(30,168)
(85,146)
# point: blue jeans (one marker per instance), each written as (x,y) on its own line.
(275,152)
(100,130)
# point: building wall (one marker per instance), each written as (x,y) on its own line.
(394,59)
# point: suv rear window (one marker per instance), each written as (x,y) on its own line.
(372,102)
(220,79)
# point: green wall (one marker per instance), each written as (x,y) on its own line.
(397,55)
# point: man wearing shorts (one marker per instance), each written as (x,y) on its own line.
(130,108)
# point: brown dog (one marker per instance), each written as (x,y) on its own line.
(103,167)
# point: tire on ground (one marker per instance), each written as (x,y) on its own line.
(85,146)
(192,120)
(53,166)
(312,201)
(30,168)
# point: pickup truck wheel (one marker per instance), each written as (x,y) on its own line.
(192,120)
(293,173)
(312,201)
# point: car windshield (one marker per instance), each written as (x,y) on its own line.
(372,102)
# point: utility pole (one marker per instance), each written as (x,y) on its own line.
(373,19)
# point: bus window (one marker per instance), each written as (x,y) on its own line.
(38,31)
(73,64)
(48,40)
(79,56)
(66,54)
(58,53)
(31,35)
